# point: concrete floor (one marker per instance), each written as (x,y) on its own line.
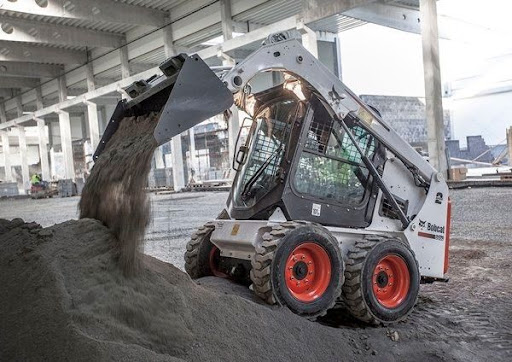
(175,217)
(479,214)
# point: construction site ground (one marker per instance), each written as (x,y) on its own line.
(468,318)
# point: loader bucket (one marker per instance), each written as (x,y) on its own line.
(188,93)
(197,95)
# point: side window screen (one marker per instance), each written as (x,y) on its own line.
(330,166)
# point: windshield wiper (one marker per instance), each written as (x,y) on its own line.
(259,171)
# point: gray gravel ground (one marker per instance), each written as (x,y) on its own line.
(175,217)
(469,318)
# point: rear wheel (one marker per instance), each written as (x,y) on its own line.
(299,265)
(202,258)
(382,281)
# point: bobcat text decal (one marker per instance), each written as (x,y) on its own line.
(436,232)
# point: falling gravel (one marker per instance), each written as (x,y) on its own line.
(114,192)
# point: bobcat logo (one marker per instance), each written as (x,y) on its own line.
(422,223)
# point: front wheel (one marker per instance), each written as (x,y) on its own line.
(299,265)
(382,280)
(202,258)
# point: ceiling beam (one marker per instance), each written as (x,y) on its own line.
(6,93)
(29,70)
(397,17)
(313,10)
(33,31)
(15,51)
(93,10)
(18,82)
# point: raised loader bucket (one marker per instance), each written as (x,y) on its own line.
(188,93)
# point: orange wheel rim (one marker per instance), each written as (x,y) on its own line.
(213,262)
(391,281)
(308,272)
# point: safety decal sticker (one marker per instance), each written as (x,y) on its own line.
(316,209)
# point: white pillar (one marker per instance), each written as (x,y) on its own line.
(509,144)
(3,115)
(43,138)
(7,152)
(309,39)
(43,150)
(178,173)
(433,92)
(65,133)
(233,121)
(177,163)
(92,109)
(226,19)
(125,65)
(192,151)
(25,176)
(19,106)
(39,98)
(159,158)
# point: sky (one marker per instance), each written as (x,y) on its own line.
(476,58)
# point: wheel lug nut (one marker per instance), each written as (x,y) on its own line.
(309,262)
(298,283)
(303,257)
(294,259)
(307,281)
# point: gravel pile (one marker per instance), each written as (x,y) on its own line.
(68,300)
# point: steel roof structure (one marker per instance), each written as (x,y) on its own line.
(42,40)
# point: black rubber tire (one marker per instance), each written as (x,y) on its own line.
(358,295)
(268,265)
(198,251)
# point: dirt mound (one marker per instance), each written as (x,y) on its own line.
(68,300)
(114,192)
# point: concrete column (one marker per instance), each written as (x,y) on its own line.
(19,106)
(92,109)
(65,133)
(178,173)
(125,65)
(43,150)
(192,151)
(159,158)
(309,39)
(3,115)
(226,19)
(7,152)
(39,98)
(433,91)
(509,144)
(43,139)
(24,158)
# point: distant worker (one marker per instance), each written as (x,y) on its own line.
(35,179)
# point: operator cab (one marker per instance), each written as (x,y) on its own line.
(294,154)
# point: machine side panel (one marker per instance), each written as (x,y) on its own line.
(428,232)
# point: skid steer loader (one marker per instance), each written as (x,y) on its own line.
(328,204)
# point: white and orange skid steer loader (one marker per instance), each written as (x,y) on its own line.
(328,205)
